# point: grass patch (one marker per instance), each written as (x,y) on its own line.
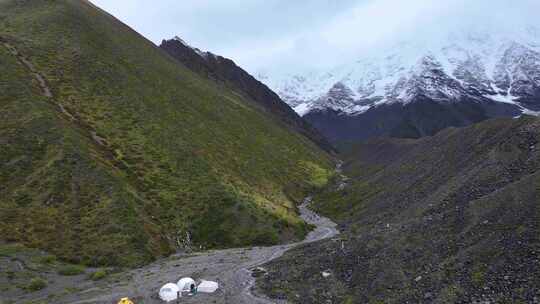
(71,270)
(36,284)
(478,275)
(46,259)
(9,250)
(319,176)
(98,275)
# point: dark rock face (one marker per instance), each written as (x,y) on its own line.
(338,96)
(519,72)
(532,101)
(422,117)
(225,71)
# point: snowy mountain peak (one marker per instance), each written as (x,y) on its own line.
(474,64)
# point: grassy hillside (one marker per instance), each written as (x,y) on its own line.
(224,71)
(452,218)
(132,156)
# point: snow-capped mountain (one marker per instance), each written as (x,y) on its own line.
(479,67)
(505,69)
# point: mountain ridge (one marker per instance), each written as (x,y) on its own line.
(497,72)
(225,71)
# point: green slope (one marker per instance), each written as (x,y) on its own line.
(133,152)
(452,218)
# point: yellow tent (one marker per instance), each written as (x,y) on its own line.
(125,301)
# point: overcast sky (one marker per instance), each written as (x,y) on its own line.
(292,34)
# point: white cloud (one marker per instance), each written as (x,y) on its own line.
(290,35)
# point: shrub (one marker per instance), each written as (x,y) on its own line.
(98,275)
(477,277)
(71,270)
(266,238)
(46,259)
(36,284)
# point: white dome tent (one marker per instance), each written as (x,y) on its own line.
(207,286)
(169,292)
(184,284)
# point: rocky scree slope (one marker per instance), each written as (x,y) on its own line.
(113,153)
(226,72)
(452,218)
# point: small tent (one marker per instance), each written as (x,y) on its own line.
(184,284)
(169,292)
(207,286)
